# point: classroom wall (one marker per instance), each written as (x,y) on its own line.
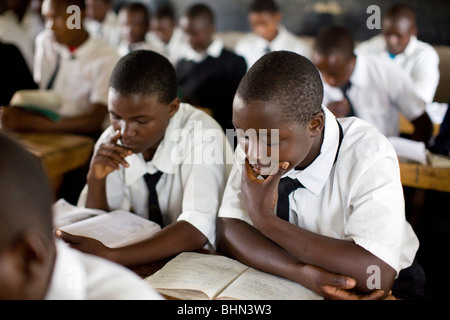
(305,17)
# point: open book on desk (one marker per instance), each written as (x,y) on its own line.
(198,276)
(114,229)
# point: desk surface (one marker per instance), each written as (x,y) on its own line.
(425,177)
(59,152)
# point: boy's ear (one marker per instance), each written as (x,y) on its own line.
(317,124)
(35,259)
(174,106)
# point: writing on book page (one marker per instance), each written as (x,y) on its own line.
(197,272)
(256,285)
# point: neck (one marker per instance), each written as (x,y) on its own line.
(78,41)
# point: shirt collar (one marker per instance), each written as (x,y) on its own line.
(162,159)
(214,50)
(316,175)
(83,49)
(69,279)
(411,47)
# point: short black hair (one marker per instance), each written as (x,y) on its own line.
(79,3)
(165,10)
(145,73)
(287,79)
(400,11)
(137,7)
(264,6)
(335,39)
(25,193)
(200,11)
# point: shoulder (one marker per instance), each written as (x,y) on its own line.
(189,117)
(363,144)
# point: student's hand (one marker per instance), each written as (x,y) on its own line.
(337,287)
(85,244)
(339,108)
(258,194)
(108,158)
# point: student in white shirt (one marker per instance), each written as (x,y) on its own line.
(20,25)
(134,22)
(165,34)
(153,133)
(398,42)
(33,264)
(74,65)
(268,34)
(101,22)
(368,87)
(347,215)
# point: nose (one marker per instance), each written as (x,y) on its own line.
(127,130)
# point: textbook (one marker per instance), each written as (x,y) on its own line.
(114,229)
(44,102)
(199,276)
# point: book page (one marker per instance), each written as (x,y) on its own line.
(409,149)
(257,285)
(193,271)
(65,213)
(115,229)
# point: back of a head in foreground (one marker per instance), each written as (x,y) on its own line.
(27,248)
(25,194)
(145,73)
(288,80)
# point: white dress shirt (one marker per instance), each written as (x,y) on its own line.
(419,60)
(21,34)
(83,76)
(108,30)
(81,276)
(252,46)
(357,198)
(379,91)
(172,50)
(193,158)
(125,47)
(214,50)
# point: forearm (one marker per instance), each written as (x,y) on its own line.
(96,196)
(243,242)
(335,255)
(178,237)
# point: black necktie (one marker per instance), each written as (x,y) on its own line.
(154,212)
(55,73)
(345,89)
(285,188)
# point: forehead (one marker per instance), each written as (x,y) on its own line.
(397,26)
(258,115)
(132,105)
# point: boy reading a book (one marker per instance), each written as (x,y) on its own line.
(346,215)
(32,264)
(156,160)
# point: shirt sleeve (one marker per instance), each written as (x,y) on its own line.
(376,220)
(203,178)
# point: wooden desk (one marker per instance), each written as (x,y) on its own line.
(59,152)
(425,177)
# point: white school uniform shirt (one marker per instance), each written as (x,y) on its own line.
(172,50)
(83,75)
(81,276)
(21,34)
(419,59)
(252,46)
(379,91)
(125,47)
(195,158)
(214,50)
(357,198)
(108,30)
